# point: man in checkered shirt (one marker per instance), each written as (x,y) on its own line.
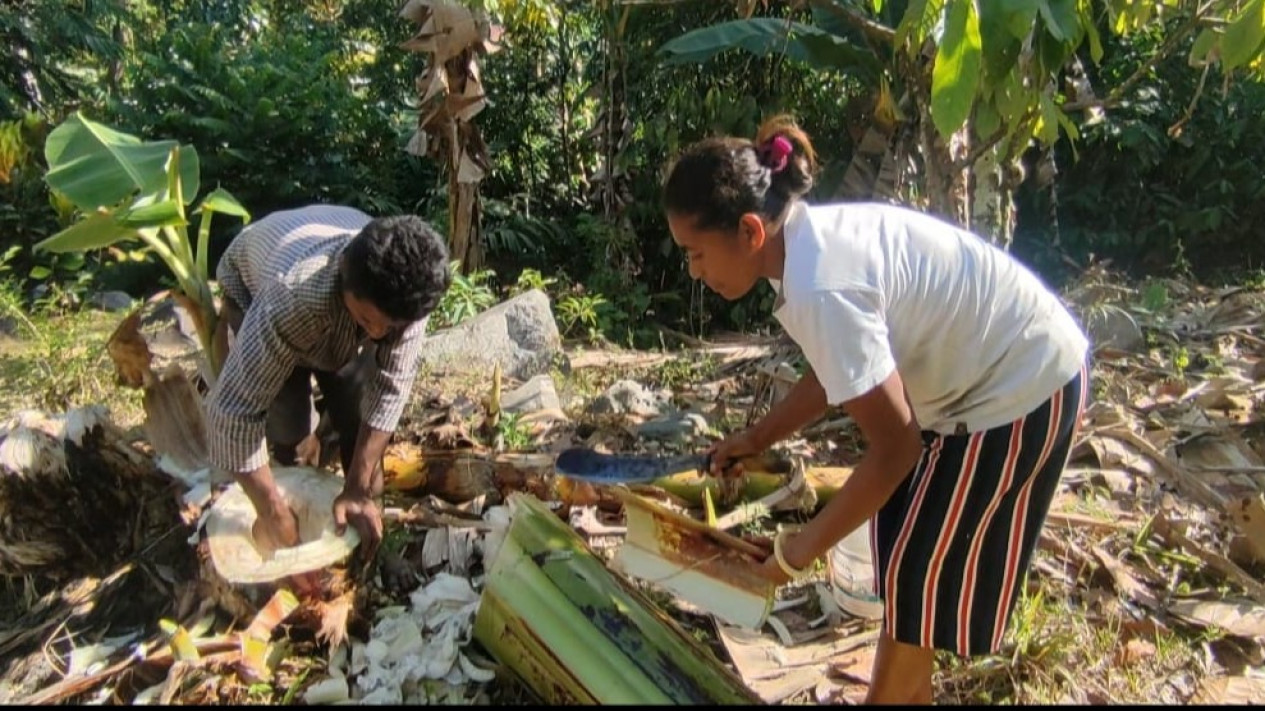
(326,292)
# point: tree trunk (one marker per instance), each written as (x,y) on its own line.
(967,186)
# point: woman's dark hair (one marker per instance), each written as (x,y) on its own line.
(400,265)
(718,180)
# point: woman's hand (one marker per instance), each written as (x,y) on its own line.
(768,567)
(726,455)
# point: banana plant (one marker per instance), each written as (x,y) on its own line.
(967,85)
(129,190)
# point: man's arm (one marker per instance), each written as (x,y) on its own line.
(237,407)
(386,394)
(365,477)
(382,404)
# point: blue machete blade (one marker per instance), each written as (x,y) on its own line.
(598,468)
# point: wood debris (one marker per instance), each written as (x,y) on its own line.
(1158,530)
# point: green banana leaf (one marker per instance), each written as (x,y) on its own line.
(97,230)
(96,166)
(160,214)
(763,36)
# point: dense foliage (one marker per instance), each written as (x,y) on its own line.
(290,103)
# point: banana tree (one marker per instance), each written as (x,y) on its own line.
(451,94)
(960,88)
(125,190)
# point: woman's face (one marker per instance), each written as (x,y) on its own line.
(726,261)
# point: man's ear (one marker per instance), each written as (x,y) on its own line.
(751,230)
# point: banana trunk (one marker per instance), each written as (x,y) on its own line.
(576,633)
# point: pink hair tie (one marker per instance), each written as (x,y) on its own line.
(775,152)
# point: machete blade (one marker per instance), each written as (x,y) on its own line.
(595,467)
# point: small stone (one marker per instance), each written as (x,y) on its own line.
(111,301)
(676,426)
(534,395)
(627,397)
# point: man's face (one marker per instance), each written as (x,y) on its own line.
(375,323)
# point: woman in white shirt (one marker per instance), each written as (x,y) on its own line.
(965,374)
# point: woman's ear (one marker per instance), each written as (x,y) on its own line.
(751,230)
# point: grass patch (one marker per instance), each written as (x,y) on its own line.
(1058,651)
(58,361)
(682,371)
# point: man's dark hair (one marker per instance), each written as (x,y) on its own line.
(400,265)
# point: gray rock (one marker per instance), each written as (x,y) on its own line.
(520,334)
(534,395)
(678,426)
(9,327)
(171,335)
(111,301)
(628,397)
(1113,327)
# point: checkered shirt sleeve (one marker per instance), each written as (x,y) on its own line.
(387,393)
(257,366)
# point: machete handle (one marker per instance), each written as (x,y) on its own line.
(762,463)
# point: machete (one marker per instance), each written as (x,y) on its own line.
(585,464)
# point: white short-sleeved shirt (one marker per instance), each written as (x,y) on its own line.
(978,339)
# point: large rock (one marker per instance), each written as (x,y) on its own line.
(520,334)
(1113,327)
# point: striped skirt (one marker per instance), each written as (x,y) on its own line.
(953,544)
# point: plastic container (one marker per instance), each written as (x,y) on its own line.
(852,575)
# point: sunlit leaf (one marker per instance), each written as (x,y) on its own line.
(1012,99)
(97,230)
(915,20)
(1001,44)
(96,166)
(1091,30)
(956,75)
(223,202)
(1047,126)
(765,36)
(1204,44)
(1243,38)
(162,214)
(987,120)
(1016,16)
(1060,18)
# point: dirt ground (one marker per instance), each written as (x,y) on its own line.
(1146,585)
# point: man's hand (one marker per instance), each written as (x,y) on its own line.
(725,454)
(276,527)
(363,514)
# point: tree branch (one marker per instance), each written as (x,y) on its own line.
(987,144)
(872,29)
(1114,98)
(1176,128)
